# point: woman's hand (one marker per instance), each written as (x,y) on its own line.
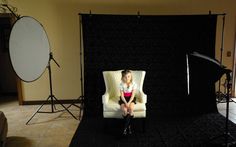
(127,105)
(128,108)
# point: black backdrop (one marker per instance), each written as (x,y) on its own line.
(158,45)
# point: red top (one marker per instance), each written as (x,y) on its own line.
(127,94)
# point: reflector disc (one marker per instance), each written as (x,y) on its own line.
(29,48)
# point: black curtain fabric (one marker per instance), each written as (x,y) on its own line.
(195,131)
(156,44)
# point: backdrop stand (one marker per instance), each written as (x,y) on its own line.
(51,98)
(81,101)
(81,98)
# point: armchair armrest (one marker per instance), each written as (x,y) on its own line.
(105,98)
(143,97)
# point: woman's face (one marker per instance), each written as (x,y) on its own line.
(127,78)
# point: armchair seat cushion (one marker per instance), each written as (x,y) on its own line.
(113,105)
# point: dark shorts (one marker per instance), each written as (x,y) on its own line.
(127,100)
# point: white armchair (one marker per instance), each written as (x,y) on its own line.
(111,107)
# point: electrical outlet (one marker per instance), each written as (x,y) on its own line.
(228,54)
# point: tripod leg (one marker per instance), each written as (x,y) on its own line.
(77,106)
(64,107)
(36,112)
(80,99)
(69,106)
(54,107)
(74,103)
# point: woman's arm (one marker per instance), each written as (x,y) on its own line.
(122,97)
(132,96)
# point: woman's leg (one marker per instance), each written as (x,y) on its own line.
(124,109)
(131,112)
(131,109)
(124,114)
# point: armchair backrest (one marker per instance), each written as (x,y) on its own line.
(112,81)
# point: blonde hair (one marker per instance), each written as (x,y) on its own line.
(125,72)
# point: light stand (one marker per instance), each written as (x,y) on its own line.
(12,11)
(51,98)
(219,94)
(226,133)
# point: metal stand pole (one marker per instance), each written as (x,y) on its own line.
(219,94)
(17,16)
(81,98)
(51,97)
(226,133)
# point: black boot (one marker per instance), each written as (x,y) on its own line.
(124,133)
(125,130)
(127,120)
(130,123)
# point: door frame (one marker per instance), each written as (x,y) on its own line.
(233,94)
(18,81)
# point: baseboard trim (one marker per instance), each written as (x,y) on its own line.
(39,102)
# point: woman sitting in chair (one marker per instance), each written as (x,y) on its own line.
(127,99)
